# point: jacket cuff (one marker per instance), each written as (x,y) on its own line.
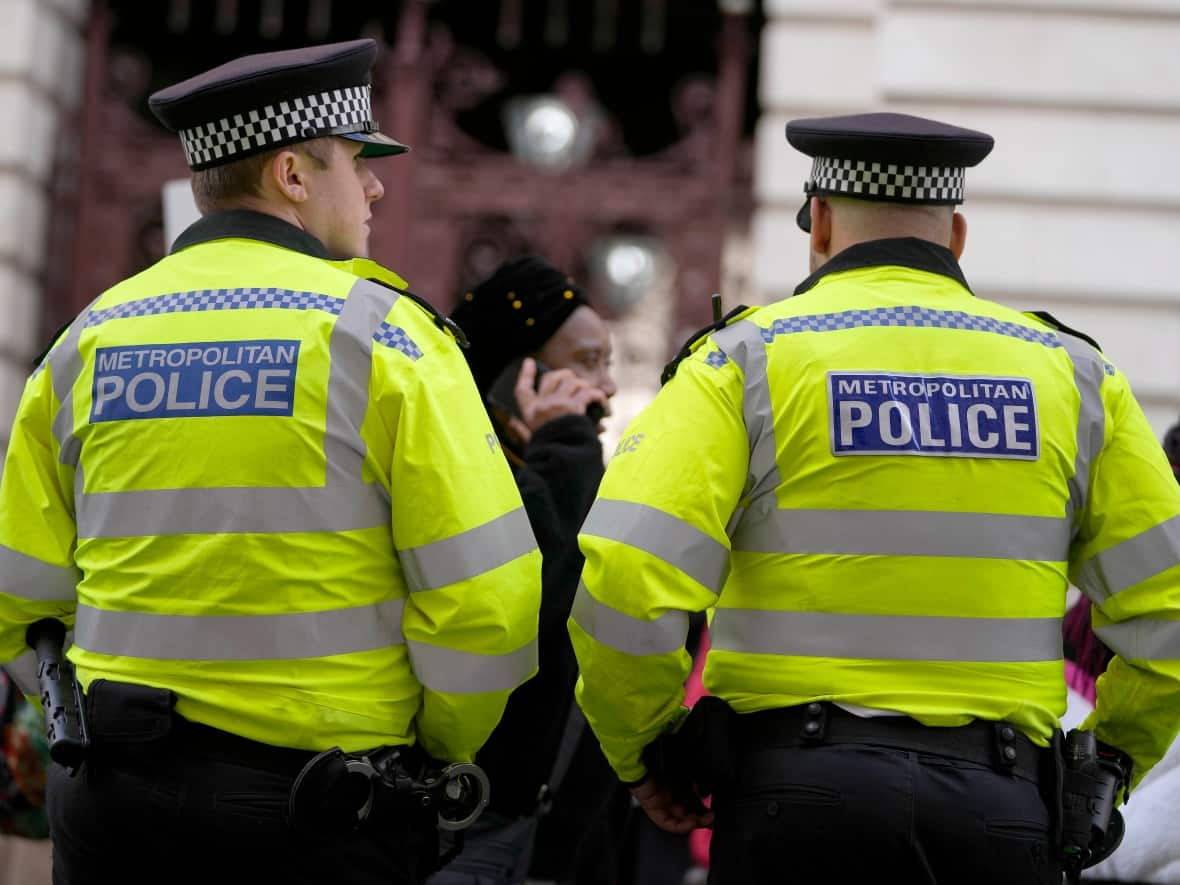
(630,785)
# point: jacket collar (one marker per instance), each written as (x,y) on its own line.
(899,252)
(249,225)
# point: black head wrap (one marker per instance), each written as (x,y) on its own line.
(1172,448)
(513,313)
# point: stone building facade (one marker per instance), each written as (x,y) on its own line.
(1076,211)
(42,57)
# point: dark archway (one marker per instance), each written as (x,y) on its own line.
(670,83)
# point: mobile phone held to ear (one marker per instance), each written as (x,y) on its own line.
(502,393)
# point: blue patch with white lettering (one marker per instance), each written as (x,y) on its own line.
(949,416)
(198,379)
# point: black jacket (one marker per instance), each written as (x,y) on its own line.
(558,474)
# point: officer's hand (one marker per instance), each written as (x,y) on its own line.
(665,812)
(560,393)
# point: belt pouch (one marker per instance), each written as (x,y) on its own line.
(122,713)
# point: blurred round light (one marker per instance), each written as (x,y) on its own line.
(627,267)
(550,129)
(629,264)
(542,131)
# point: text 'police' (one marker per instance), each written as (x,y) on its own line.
(194,379)
(948,416)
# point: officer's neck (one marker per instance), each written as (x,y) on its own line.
(264,206)
(840,241)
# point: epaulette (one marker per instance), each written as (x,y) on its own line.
(40,358)
(440,319)
(697,338)
(1046,317)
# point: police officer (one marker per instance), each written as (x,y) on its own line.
(882,487)
(257,481)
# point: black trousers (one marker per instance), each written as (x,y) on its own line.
(169,814)
(852,813)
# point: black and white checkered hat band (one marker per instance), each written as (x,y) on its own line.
(886,181)
(337,111)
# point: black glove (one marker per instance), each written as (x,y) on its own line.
(692,762)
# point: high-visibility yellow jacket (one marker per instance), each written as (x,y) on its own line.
(880,488)
(266,482)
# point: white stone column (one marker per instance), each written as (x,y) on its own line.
(1076,211)
(42,54)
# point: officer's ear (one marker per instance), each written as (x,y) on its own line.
(287,172)
(821,226)
(958,235)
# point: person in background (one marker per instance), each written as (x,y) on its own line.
(216,478)
(1172,448)
(540,356)
(24,762)
(1086,657)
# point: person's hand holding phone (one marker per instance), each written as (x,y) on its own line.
(559,392)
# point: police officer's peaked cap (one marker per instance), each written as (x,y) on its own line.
(890,157)
(260,102)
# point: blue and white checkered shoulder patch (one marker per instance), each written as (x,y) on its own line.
(906,317)
(396,337)
(716,359)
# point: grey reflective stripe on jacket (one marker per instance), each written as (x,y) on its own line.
(1088,371)
(66,367)
(1144,639)
(663,536)
(468,554)
(745,344)
(289,636)
(886,637)
(30,578)
(1131,562)
(344,503)
(622,632)
(908,533)
(450,671)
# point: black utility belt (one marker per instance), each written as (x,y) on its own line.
(332,791)
(126,720)
(998,745)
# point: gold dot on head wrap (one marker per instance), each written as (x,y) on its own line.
(511,295)
(470,296)
(516,305)
(567,295)
(530,322)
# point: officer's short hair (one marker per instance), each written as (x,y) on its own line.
(218,187)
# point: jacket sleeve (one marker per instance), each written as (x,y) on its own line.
(563,461)
(466,549)
(1126,559)
(657,551)
(562,470)
(38,578)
